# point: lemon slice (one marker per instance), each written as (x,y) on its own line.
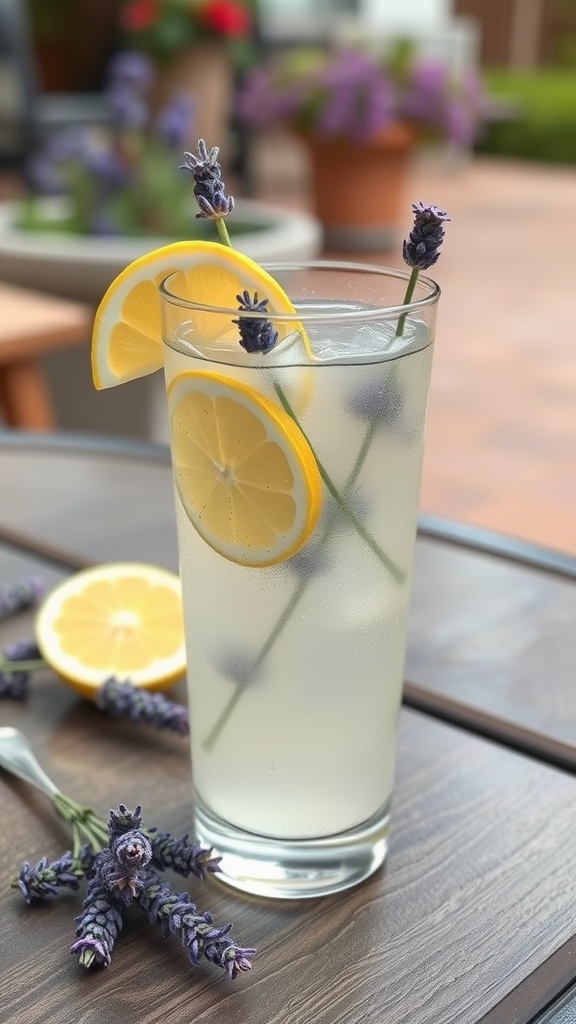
(127,335)
(244,471)
(119,619)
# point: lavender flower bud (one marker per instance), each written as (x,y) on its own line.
(47,877)
(209,189)
(177,915)
(381,400)
(123,700)
(119,867)
(14,684)
(20,595)
(127,108)
(98,926)
(420,249)
(256,335)
(122,820)
(173,121)
(179,855)
(133,68)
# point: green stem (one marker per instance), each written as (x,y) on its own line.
(87,826)
(393,569)
(408,296)
(223,231)
(226,712)
(23,666)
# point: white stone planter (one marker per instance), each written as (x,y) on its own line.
(81,268)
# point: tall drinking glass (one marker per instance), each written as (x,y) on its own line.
(295,664)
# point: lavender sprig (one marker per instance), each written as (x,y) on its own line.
(18,660)
(98,926)
(177,915)
(256,335)
(209,189)
(123,700)
(181,856)
(20,595)
(421,249)
(46,878)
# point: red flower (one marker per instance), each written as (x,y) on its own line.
(139,15)
(224,17)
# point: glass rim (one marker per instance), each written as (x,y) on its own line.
(374,313)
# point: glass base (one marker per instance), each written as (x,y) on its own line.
(293,868)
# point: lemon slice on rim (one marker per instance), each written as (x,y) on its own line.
(119,619)
(246,475)
(127,335)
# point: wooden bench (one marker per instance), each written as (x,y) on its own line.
(32,325)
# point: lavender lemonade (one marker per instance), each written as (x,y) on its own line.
(296,665)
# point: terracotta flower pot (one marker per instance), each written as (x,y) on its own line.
(359,189)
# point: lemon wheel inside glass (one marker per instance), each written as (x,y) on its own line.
(245,473)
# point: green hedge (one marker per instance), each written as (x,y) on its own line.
(542,120)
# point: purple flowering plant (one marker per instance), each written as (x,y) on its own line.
(122,180)
(351,93)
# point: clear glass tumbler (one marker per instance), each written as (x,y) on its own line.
(295,664)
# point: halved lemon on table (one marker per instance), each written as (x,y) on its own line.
(245,473)
(117,619)
(127,335)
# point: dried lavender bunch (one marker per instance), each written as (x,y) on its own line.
(126,871)
(256,335)
(14,678)
(123,700)
(20,595)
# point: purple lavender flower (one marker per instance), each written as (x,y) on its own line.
(47,877)
(256,334)
(133,68)
(173,122)
(382,400)
(209,189)
(421,249)
(107,167)
(123,700)
(123,820)
(20,595)
(180,855)
(357,100)
(98,926)
(177,915)
(127,108)
(119,867)
(14,683)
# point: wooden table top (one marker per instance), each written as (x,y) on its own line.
(472,918)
